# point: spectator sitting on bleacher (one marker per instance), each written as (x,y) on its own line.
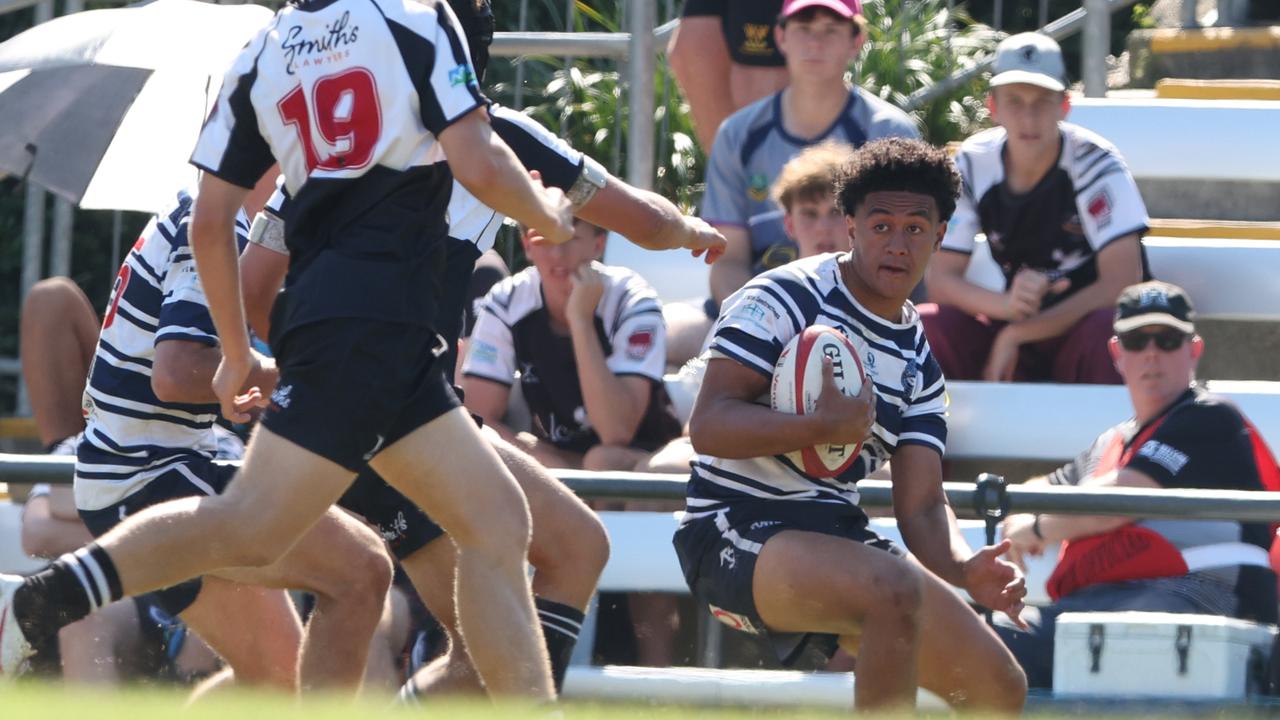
(820,39)
(1063,220)
(130,638)
(1180,437)
(588,344)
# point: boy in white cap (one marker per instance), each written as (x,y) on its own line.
(1063,219)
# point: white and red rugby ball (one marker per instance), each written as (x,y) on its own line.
(797,382)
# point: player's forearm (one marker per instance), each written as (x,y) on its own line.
(645,218)
(933,536)
(737,429)
(606,396)
(213,243)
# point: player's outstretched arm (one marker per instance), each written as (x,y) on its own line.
(483,163)
(929,528)
(727,422)
(650,220)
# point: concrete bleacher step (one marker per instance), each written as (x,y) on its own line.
(1203,53)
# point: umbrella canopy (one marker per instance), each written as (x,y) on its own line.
(103,107)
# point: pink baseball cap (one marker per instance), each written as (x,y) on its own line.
(843,8)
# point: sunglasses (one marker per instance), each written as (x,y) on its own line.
(1167,341)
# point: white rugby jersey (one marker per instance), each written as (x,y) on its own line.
(470,220)
(758,321)
(334,88)
(512,335)
(130,436)
(1087,200)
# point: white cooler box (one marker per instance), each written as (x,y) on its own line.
(1168,655)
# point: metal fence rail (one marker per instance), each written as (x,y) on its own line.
(1241,505)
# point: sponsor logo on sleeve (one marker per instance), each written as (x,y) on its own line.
(484,352)
(640,342)
(461,75)
(1099,208)
(909,373)
(1167,457)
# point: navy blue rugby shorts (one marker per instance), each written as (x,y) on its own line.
(403,525)
(718,555)
(349,387)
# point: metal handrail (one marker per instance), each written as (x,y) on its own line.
(1240,505)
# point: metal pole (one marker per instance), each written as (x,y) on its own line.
(1096,43)
(518,94)
(643,61)
(60,238)
(63,210)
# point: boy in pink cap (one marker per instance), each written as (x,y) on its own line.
(819,39)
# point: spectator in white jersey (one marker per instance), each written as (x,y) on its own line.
(819,39)
(587,344)
(1064,221)
(788,557)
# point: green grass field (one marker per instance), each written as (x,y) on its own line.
(32,701)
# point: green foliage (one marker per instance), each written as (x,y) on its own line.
(913,44)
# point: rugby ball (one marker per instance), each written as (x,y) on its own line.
(797,382)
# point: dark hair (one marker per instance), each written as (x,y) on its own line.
(476,18)
(898,164)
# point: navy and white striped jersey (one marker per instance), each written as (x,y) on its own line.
(758,321)
(1086,201)
(131,436)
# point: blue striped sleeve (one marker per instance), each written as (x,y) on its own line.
(754,325)
(927,430)
(186,320)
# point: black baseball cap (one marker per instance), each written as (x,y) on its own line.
(1154,303)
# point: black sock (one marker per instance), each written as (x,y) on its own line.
(75,585)
(560,627)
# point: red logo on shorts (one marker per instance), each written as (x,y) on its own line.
(733,620)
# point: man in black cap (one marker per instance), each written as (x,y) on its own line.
(1180,436)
